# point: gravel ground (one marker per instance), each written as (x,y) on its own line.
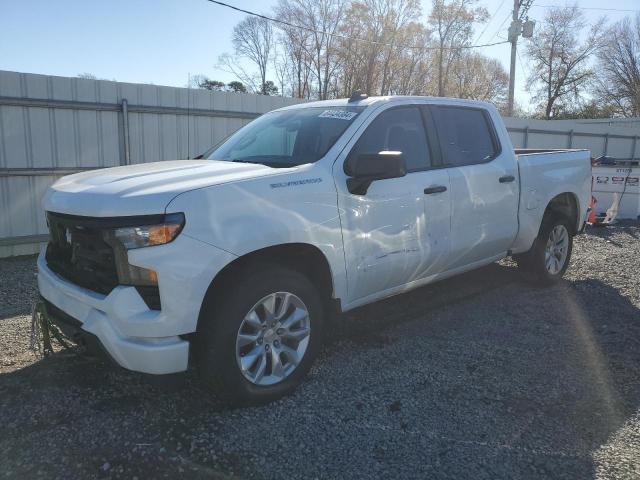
(481,376)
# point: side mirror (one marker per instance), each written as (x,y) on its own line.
(368,167)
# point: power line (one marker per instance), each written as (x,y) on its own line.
(592,8)
(345,37)
(500,27)
(520,62)
(489,22)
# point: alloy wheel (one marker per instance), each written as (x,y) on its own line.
(273,338)
(555,253)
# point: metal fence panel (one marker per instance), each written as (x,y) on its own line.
(52,126)
(612,139)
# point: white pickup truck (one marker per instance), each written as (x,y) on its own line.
(234,262)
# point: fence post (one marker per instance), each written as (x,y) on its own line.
(125,130)
(526,136)
(606,143)
(570,138)
(633,148)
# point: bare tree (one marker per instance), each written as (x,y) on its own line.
(399,14)
(282,68)
(560,69)
(294,62)
(357,59)
(233,64)
(325,58)
(391,19)
(479,78)
(332,47)
(412,70)
(452,22)
(253,39)
(321,20)
(390,26)
(618,79)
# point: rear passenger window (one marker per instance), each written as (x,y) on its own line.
(397,129)
(465,135)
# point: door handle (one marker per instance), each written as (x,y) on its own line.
(507,179)
(436,189)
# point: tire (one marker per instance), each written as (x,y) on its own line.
(228,328)
(539,267)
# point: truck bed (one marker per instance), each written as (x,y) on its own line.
(531,151)
(545,173)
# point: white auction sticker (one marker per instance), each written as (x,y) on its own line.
(339,114)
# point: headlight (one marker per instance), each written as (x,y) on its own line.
(159,231)
(150,235)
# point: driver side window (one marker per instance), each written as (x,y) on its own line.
(397,129)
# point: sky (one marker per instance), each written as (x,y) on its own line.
(165,41)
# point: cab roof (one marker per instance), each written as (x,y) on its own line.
(365,102)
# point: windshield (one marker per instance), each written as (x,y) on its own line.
(288,138)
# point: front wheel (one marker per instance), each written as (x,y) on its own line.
(550,254)
(259,337)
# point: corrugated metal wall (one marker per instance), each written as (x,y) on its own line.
(615,140)
(52,126)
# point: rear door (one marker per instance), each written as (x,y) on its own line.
(484,184)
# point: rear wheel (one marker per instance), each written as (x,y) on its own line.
(550,254)
(258,338)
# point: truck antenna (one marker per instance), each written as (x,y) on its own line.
(357,95)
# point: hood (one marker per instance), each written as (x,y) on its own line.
(143,189)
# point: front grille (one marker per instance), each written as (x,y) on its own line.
(77,252)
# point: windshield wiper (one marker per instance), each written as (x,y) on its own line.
(265,162)
(241,160)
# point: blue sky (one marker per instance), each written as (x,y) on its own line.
(162,41)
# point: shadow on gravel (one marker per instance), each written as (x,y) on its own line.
(608,232)
(599,327)
(508,381)
(366,325)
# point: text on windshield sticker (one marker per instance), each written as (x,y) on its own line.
(339,114)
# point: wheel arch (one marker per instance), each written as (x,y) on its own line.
(565,205)
(301,257)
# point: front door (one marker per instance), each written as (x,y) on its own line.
(399,230)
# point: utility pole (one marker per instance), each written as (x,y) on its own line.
(514,32)
(517,28)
